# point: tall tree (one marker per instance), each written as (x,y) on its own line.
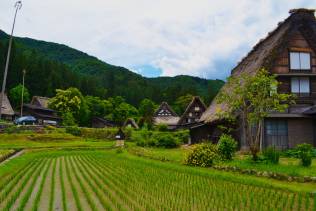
(71,101)
(15,95)
(146,110)
(252,97)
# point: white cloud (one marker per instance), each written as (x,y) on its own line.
(177,36)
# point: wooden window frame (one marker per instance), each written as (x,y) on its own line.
(299,51)
(301,94)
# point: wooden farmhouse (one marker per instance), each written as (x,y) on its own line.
(165,115)
(7,111)
(98,122)
(130,123)
(289,52)
(39,109)
(193,112)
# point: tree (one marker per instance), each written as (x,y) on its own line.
(71,101)
(146,110)
(15,95)
(181,103)
(251,98)
(98,107)
(121,110)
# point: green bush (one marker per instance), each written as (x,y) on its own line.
(271,154)
(161,127)
(99,133)
(305,154)
(73,131)
(182,135)
(204,155)
(227,146)
(148,138)
(166,140)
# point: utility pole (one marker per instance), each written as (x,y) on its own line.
(18,6)
(22,94)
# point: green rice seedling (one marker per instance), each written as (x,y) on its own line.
(40,190)
(94,186)
(31,188)
(62,185)
(21,187)
(83,188)
(52,187)
(73,188)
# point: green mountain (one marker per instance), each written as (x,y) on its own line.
(50,66)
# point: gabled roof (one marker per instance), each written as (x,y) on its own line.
(6,106)
(104,121)
(165,106)
(40,101)
(266,50)
(132,122)
(195,100)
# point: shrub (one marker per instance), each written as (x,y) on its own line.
(162,127)
(182,135)
(305,154)
(166,140)
(271,154)
(227,146)
(73,131)
(119,150)
(147,138)
(203,155)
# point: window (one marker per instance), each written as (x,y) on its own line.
(276,134)
(197,108)
(300,61)
(300,85)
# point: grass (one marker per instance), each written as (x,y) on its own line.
(51,140)
(289,166)
(104,179)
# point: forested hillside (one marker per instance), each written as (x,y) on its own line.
(50,66)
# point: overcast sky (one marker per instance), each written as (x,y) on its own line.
(203,38)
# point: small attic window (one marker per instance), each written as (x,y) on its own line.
(300,61)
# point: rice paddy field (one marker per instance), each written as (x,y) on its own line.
(5,152)
(107,180)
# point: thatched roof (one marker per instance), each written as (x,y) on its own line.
(166,120)
(131,122)
(196,100)
(165,115)
(6,106)
(264,52)
(40,101)
(165,106)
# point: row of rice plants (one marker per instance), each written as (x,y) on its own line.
(15,192)
(95,180)
(194,192)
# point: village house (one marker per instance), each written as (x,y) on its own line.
(98,122)
(165,115)
(38,108)
(192,113)
(7,112)
(289,52)
(130,123)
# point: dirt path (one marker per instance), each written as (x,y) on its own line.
(12,157)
